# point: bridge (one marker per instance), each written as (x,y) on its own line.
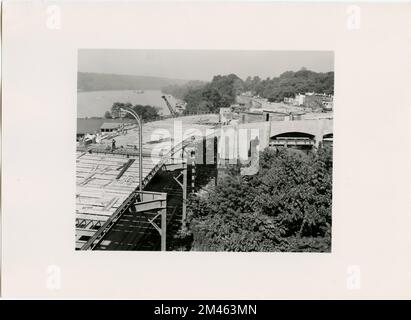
(107,181)
(298,133)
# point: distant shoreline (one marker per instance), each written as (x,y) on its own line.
(95,103)
(89,81)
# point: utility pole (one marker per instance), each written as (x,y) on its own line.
(140,143)
(184,187)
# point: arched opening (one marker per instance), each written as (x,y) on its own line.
(299,140)
(328,139)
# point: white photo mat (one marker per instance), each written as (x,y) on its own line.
(371,232)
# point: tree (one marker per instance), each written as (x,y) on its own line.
(285,207)
(248,84)
(296,192)
(180,91)
(290,83)
(107,115)
(146,112)
(116,108)
(219,93)
(237,231)
(224,219)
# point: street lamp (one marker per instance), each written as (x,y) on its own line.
(140,143)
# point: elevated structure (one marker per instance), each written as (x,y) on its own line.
(235,139)
(300,132)
(107,182)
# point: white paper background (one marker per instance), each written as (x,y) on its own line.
(371,204)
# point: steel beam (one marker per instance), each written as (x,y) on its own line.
(174,166)
(150,205)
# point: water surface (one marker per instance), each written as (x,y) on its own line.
(96,103)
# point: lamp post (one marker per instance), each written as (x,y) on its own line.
(140,143)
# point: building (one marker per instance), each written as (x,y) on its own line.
(269,115)
(87,126)
(110,127)
(258,103)
(299,99)
(312,100)
(244,100)
(93,125)
(118,113)
(250,116)
(328,105)
(289,100)
(319,102)
(225,115)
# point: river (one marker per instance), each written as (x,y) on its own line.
(96,103)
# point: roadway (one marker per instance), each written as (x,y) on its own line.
(105,179)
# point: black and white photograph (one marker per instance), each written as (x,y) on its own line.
(204,150)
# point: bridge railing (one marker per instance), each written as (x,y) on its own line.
(99,235)
(182,115)
(131,126)
(107,150)
(138,196)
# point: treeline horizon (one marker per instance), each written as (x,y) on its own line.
(222,90)
(92,81)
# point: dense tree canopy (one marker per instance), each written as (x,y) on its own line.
(290,83)
(208,97)
(146,113)
(219,93)
(285,207)
(89,81)
(180,91)
(222,90)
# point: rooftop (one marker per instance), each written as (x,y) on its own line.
(105,179)
(110,125)
(91,125)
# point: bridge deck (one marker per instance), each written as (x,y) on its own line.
(99,192)
(104,180)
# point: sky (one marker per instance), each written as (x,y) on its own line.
(202,64)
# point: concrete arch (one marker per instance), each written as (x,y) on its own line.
(293,139)
(269,129)
(293,134)
(304,126)
(328,139)
(316,128)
